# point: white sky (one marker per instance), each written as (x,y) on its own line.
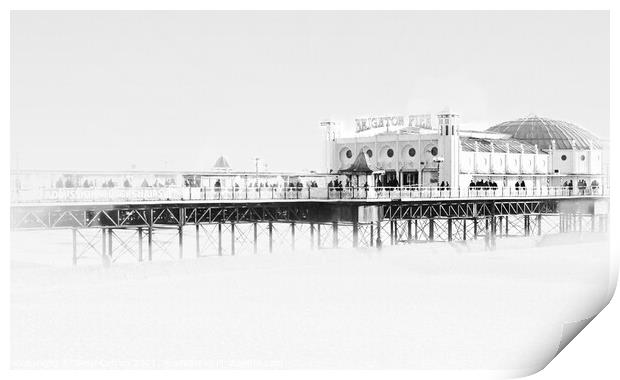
(107,90)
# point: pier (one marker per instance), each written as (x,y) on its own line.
(178,224)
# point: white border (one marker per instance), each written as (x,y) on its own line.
(593,354)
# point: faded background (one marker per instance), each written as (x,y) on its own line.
(173,90)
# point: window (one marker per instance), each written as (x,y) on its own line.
(434,151)
(583,158)
(349,153)
(390,153)
(563,157)
(411,152)
(369,153)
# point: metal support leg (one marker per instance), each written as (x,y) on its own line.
(197,240)
(415,232)
(506,217)
(379,242)
(140,244)
(150,243)
(103,240)
(526,225)
(464,229)
(105,258)
(74,234)
(487,241)
(391,232)
(372,234)
(311,235)
(219,239)
(180,242)
(493,231)
(255,246)
(408,230)
(232,238)
(293,236)
(110,249)
(431,229)
(355,234)
(539,224)
(270,237)
(501,225)
(449,229)
(475,228)
(334,234)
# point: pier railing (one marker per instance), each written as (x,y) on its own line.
(290,193)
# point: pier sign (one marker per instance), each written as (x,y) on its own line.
(419,121)
(379,122)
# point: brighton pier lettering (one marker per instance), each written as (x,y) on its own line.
(420,121)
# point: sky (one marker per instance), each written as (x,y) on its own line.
(174,90)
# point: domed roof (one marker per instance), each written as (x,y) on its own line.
(541,131)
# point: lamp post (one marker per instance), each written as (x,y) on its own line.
(256,161)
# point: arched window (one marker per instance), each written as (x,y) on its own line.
(390,153)
(434,151)
(411,152)
(563,157)
(349,153)
(369,153)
